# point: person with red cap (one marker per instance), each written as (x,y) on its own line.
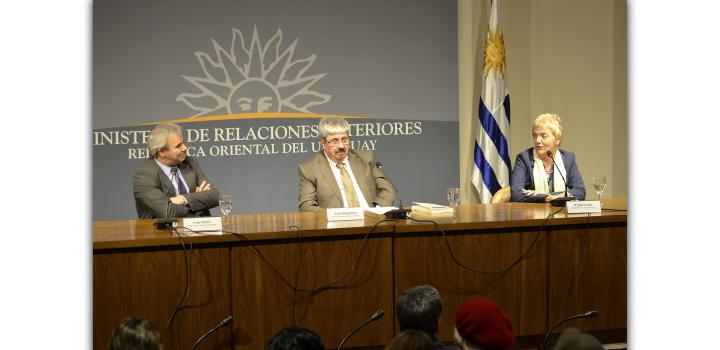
(480,324)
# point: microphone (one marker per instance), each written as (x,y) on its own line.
(226,321)
(376,316)
(162,224)
(591,313)
(395,213)
(560,201)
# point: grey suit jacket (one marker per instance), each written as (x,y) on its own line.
(318,188)
(153,189)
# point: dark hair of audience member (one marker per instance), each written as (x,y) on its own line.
(135,334)
(574,339)
(419,308)
(295,338)
(411,339)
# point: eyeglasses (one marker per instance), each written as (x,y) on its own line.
(335,142)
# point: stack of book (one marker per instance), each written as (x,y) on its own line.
(431,209)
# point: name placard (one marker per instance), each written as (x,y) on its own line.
(342,214)
(576,207)
(208,225)
(345,223)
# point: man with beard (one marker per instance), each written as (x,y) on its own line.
(171,184)
(338,177)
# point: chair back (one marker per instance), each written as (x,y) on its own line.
(501,196)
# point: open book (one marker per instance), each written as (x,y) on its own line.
(430,208)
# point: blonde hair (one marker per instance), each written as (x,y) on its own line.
(551,122)
(464,345)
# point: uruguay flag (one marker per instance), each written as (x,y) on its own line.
(492,160)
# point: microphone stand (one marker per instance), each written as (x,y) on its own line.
(226,321)
(592,313)
(395,213)
(560,201)
(376,316)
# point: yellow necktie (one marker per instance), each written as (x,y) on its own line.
(349,188)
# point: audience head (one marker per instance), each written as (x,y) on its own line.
(480,324)
(295,338)
(135,334)
(419,308)
(574,339)
(411,339)
(166,144)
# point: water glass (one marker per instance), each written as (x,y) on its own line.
(225,207)
(453,196)
(599,183)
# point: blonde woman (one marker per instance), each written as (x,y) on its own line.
(535,178)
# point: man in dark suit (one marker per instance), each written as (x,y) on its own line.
(171,184)
(338,177)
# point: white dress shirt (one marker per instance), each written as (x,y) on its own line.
(338,179)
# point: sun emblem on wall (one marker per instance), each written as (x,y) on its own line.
(494,54)
(252,77)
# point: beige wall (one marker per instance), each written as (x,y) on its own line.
(563,56)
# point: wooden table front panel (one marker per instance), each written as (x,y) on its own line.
(520,292)
(588,271)
(263,304)
(149,284)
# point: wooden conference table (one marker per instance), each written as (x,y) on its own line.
(538,271)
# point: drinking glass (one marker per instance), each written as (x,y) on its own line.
(599,183)
(225,208)
(453,196)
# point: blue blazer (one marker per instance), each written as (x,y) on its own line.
(522,177)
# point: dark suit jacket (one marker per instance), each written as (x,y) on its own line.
(153,189)
(522,177)
(318,188)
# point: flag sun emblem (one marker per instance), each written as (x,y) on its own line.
(494,53)
(250,77)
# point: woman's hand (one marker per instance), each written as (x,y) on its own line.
(551,197)
(528,192)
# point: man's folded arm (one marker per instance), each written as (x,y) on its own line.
(202,200)
(150,196)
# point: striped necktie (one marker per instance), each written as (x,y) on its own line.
(180,185)
(348,185)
